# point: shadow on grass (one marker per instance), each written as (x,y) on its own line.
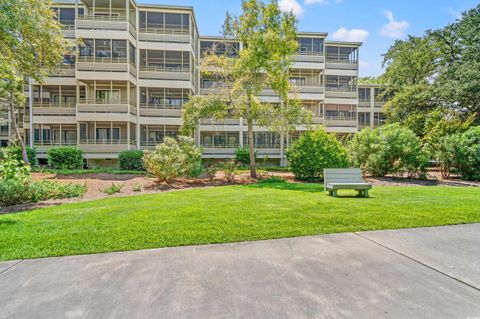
(302,187)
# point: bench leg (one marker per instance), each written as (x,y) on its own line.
(365,193)
(334,193)
(359,193)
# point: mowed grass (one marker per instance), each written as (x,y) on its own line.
(226,214)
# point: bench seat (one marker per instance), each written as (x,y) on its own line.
(345,178)
(349,186)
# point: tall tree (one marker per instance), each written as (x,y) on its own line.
(31,46)
(268,38)
(281,41)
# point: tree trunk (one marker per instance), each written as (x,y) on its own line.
(17,132)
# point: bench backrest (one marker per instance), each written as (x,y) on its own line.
(342,175)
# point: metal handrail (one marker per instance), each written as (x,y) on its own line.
(340,60)
(102,141)
(165,30)
(94,59)
(55,104)
(341,89)
(341,118)
(161,106)
(154,68)
(114,18)
(310,53)
(104,101)
(54,143)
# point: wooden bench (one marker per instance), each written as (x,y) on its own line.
(345,178)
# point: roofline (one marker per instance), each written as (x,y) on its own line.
(374,85)
(344,43)
(320,34)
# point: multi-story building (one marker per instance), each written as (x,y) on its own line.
(370,106)
(135,67)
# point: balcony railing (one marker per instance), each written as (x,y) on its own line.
(341,118)
(167,29)
(220,145)
(106,18)
(94,59)
(340,88)
(54,143)
(310,53)
(55,104)
(101,141)
(158,68)
(105,101)
(334,59)
(161,106)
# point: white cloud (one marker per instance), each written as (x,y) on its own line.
(454,13)
(363,64)
(394,29)
(291,5)
(353,35)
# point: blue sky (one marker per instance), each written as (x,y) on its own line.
(377,23)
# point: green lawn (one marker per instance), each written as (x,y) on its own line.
(226,214)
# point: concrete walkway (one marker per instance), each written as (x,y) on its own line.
(416,273)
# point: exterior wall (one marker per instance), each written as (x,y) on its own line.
(370,106)
(125,87)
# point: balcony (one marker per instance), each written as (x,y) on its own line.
(106,145)
(102,64)
(339,121)
(54,109)
(96,22)
(341,64)
(160,110)
(307,59)
(106,110)
(166,33)
(64,70)
(165,73)
(341,92)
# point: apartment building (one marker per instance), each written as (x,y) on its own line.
(137,64)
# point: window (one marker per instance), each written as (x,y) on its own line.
(67,16)
(300,81)
(87,48)
(107,95)
(310,46)
(363,118)
(102,48)
(119,48)
(104,134)
(364,94)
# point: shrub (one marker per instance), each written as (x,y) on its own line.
(48,189)
(242,155)
(389,149)
(467,155)
(131,160)
(17,186)
(447,153)
(12,168)
(211,171)
(14,191)
(113,189)
(314,151)
(16,152)
(137,188)
(65,158)
(171,159)
(229,169)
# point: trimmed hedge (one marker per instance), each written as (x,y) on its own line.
(65,158)
(313,152)
(131,160)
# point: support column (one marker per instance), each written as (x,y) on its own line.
(282,150)
(128,134)
(372,107)
(30,111)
